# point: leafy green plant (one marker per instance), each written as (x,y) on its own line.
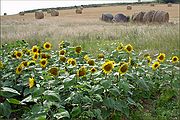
(40,83)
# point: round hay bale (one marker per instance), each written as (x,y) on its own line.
(160,17)
(39,15)
(138,17)
(121,18)
(54,13)
(78,11)
(107,17)
(21,13)
(129,7)
(152,4)
(169,4)
(5,13)
(148,16)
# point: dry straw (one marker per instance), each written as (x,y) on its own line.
(169,4)
(39,14)
(54,13)
(129,7)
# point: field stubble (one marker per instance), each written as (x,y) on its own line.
(88,31)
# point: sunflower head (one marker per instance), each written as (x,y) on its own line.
(161,57)
(35,56)
(128,48)
(123,68)
(53,71)
(93,70)
(31,82)
(120,47)
(175,59)
(19,54)
(78,49)
(19,69)
(14,54)
(107,67)
(47,46)
(43,62)
(62,58)
(35,49)
(81,71)
(86,58)
(72,61)
(24,63)
(155,65)
(62,52)
(100,56)
(148,58)
(91,62)
(1,65)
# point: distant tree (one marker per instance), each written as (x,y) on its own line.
(139,0)
(168,1)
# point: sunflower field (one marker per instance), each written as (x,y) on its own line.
(41,83)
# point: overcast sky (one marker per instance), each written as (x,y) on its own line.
(15,6)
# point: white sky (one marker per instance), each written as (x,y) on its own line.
(15,6)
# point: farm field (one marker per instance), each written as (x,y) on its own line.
(87,28)
(77,67)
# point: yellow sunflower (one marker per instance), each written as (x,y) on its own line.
(78,49)
(123,68)
(148,58)
(93,70)
(35,49)
(100,56)
(53,71)
(86,58)
(81,71)
(120,47)
(35,56)
(24,63)
(19,54)
(62,58)
(14,54)
(47,46)
(107,67)
(91,62)
(19,69)
(128,48)
(72,61)
(43,62)
(31,82)
(161,57)
(62,52)
(155,65)
(1,64)
(175,59)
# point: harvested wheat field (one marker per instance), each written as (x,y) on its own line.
(88,28)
